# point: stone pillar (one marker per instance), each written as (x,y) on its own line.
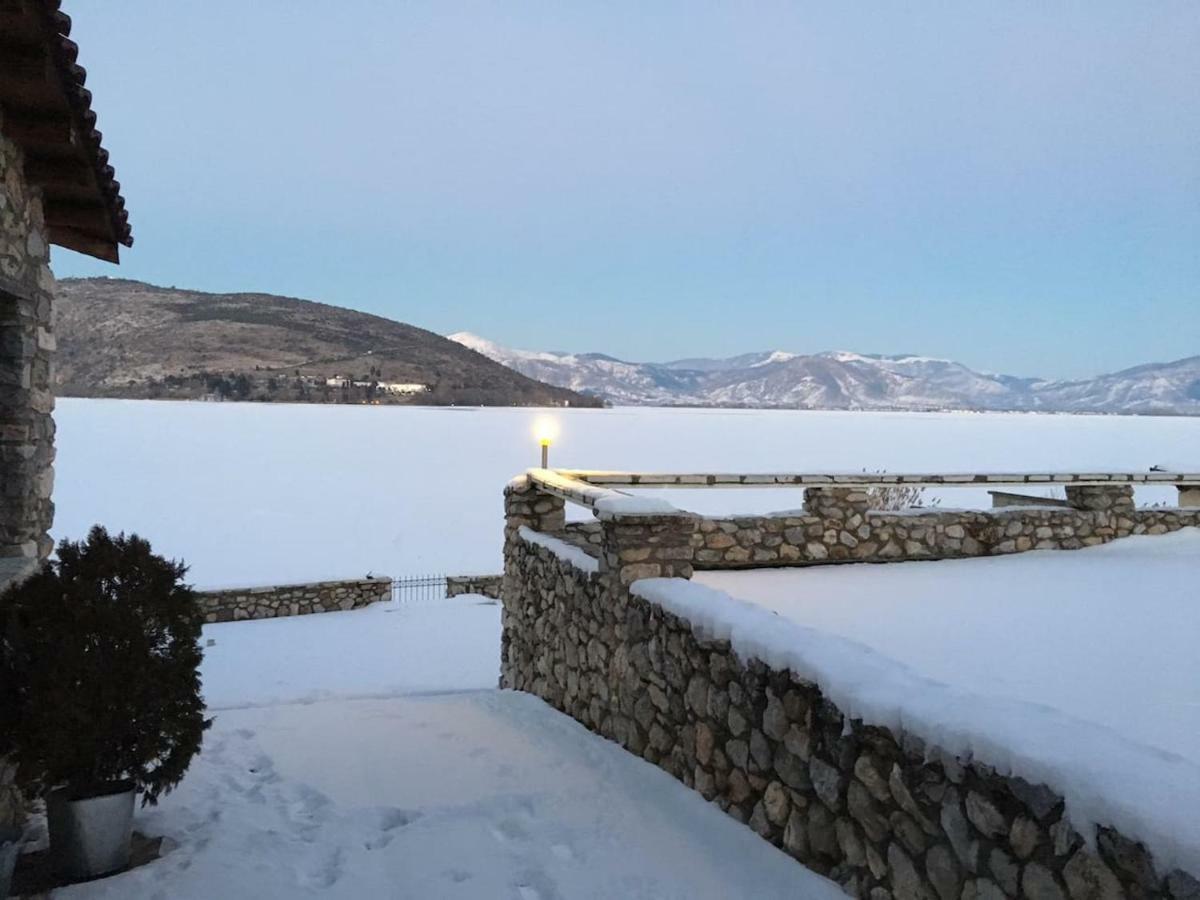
(840,503)
(843,511)
(26,372)
(636,547)
(1116,498)
(525,505)
(1189,495)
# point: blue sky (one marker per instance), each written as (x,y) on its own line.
(1015,185)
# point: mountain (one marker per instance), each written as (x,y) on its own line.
(120,338)
(593,373)
(844,380)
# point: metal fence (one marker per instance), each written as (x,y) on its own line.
(411,588)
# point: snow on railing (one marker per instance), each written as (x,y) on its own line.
(603,501)
(600,478)
(597,489)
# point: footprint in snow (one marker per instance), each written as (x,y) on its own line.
(388,820)
(536,885)
(509,830)
(391,818)
(325,873)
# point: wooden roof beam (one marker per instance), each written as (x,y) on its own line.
(87,217)
(82,242)
(25,64)
(66,172)
(34,130)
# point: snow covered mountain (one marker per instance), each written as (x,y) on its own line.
(615,380)
(844,380)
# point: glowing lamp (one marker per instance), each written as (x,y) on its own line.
(545,430)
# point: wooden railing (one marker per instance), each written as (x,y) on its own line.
(870,479)
(599,490)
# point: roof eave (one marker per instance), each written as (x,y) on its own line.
(47,111)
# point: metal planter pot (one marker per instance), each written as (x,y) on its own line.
(10,848)
(89,836)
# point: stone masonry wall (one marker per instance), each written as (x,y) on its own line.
(26,372)
(878,812)
(838,525)
(237,604)
(485,585)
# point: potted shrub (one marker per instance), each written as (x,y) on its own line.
(13,806)
(12,819)
(103,646)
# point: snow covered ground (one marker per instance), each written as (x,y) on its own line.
(1107,634)
(1077,669)
(380,651)
(260,493)
(366,754)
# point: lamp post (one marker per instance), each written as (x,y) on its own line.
(545,430)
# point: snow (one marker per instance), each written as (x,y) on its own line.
(507,355)
(367,753)
(632,505)
(381,650)
(566,552)
(1074,669)
(774,356)
(338,769)
(250,493)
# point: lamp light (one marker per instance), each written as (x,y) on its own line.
(545,430)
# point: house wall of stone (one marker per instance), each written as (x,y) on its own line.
(26,371)
(237,604)
(877,811)
(838,525)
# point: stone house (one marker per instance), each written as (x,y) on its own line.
(56,187)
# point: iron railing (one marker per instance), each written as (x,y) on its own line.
(415,588)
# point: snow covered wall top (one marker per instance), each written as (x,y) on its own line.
(1105,778)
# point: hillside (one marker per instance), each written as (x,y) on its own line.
(120,338)
(844,380)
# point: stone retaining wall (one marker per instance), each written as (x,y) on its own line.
(877,811)
(838,525)
(26,371)
(486,585)
(237,604)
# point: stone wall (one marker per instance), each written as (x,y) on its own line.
(26,372)
(879,812)
(237,604)
(837,525)
(588,535)
(485,585)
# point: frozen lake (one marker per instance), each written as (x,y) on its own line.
(258,493)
